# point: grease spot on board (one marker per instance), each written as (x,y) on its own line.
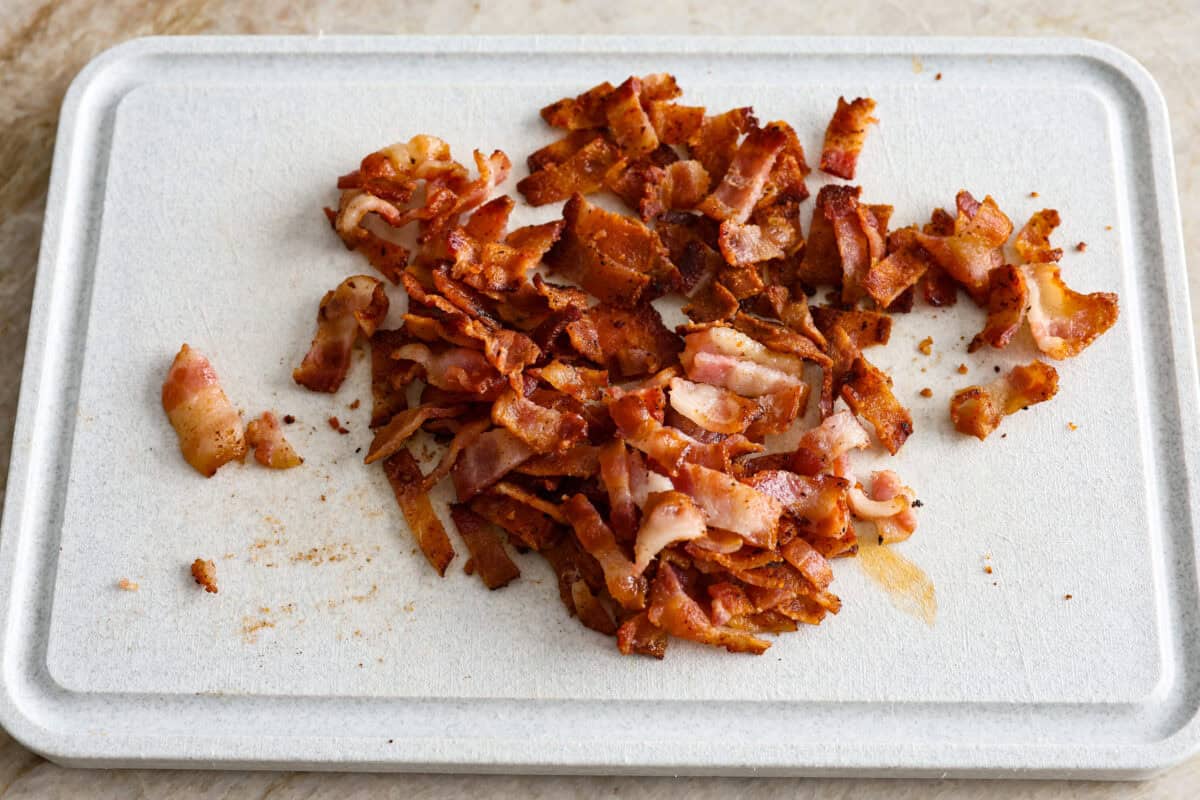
(907,586)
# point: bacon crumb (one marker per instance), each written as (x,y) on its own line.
(1072,426)
(336,424)
(962,369)
(937,77)
(1033,194)
(927,392)
(353,405)
(1081,247)
(205,574)
(926,345)
(1067,596)
(988,569)
(127,585)
(288,419)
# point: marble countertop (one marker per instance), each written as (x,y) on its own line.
(44,43)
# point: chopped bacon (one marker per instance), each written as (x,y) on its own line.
(616,477)
(667,446)
(712,407)
(577,461)
(868,392)
(744,245)
(490,220)
(623,581)
(668,517)
(978,410)
(582,383)
(681,185)
(712,303)
(208,426)
(491,561)
(584,111)
(1064,322)
(391,437)
(679,615)
(579,578)
(715,142)
(818,505)
(743,183)
(845,135)
(527,525)
(889,507)
(821,446)
(975,247)
(808,562)
(457,369)
(389,377)
(467,433)
(906,263)
(629,342)
(1008,297)
(271,449)
(726,357)
(673,123)
(783,339)
(356,306)
(486,460)
(785,184)
(639,635)
(863,328)
(628,121)
(726,601)
(406,480)
(731,505)
(544,430)
(514,492)
(560,150)
(582,173)
(1033,240)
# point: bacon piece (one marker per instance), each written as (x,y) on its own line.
(467,433)
(560,150)
(514,492)
(357,305)
(1064,322)
(577,461)
(713,303)
(523,523)
(271,449)
(490,220)
(500,268)
(782,339)
(668,517)
(628,121)
(744,245)
(821,446)
(630,342)
(845,136)
(808,562)
(906,263)
(638,634)
(863,328)
(678,186)
(869,394)
(817,504)
(491,561)
(673,123)
(391,437)
(1008,298)
(389,376)
(486,460)
(785,184)
(458,369)
(615,475)
(679,615)
(585,385)
(208,426)
(406,480)
(582,173)
(1033,240)
(623,581)
(713,408)
(889,507)
(583,111)
(668,446)
(731,505)
(743,183)
(726,601)
(544,430)
(978,410)
(577,585)
(726,357)
(975,247)
(715,142)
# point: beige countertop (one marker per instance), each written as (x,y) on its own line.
(43,44)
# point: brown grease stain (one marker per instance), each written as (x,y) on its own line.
(908,587)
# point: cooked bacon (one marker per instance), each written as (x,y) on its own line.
(500,268)
(1064,322)
(584,111)
(490,220)
(406,480)
(863,328)
(817,505)
(821,446)
(208,426)
(822,261)
(861,241)
(712,303)
(726,357)
(785,184)
(726,601)
(845,136)
(544,430)
(523,523)
(715,142)
(389,377)
(579,578)
(271,449)
(486,460)
(467,433)
(889,507)
(630,342)
(978,410)
(673,123)
(392,437)
(782,339)
(668,517)
(712,407)
(906,263)
(1008,297)
(560,150)
(624,582)
(457,369)
(868,392)
(488,556)
(582,173)
(743,245)
(743,183)
(975,247)
(731,505)
(667,446)
(582,383)
(639,635)
(681,185)
(779,410)
(679,615)
(628,121)
(808,562)
(616,477)
(577,461)
(358,304)
(1033,240)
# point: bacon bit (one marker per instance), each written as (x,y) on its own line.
(271,449)
(621,577)
(488,555)
(927,392)
(988,569)
(357,305)
(679,615)
(1067,596)
(1065,322)
(926,345)
(544,430)
(288,419)
(731,505)
(1072,426)
(1033,240)
(978,410)
(406,480)
(937,77)
(582,173)
(962,369)
(1082,246)
(129,586)
(845,136)
(205,574)
(628,342)
(1033,194)
(1008,297)
(667,518)
(744,182)
(975,246)
(208,426)
(715,143)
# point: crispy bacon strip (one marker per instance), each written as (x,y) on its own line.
(679,615)
(1008,298)
(975,248)
(1033,240)
(978,410)
(486,460)
(744,182)
(406,480)
(208,426)
(808,562)
(491,561)
(357,305)
(1064,322)
(544,430)
(615,475)
(623,581)
(845,136)
(731,505)
(271,449)
(668,517)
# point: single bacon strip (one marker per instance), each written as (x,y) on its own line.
(1008,298)
(668,517)
(731,505)
(845,136)
(679,615)
(271,449)
(486,460)
(743,183)
(1064,322)
(978,410)
(491,561)
(208,426)
(1033,240)
(545,430)
(357,305)
(391,437)
(624,582)
(406,480)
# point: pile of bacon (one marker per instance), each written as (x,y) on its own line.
(631,456)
